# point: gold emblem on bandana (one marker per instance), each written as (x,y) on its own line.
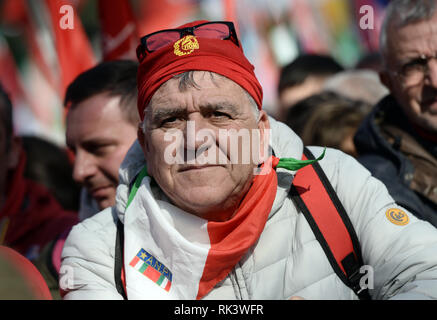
(186,45)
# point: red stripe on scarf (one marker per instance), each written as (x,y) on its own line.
(231,239)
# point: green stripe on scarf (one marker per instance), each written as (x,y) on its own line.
(136,185)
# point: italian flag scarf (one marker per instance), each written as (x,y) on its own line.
(172,254)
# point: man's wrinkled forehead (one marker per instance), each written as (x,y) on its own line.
(209,91)
(190,79)
(202,83)
(423,32)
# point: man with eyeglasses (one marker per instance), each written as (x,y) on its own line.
(212,201)
(398,140)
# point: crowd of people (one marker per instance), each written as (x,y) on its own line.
(344,177)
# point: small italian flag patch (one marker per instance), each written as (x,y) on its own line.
(152,268)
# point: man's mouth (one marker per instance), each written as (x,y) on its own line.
(429,105)
(99,192)
(430,101)
(197,167)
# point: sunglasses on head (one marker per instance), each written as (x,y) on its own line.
(221,30)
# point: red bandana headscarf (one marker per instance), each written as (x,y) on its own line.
(219,56)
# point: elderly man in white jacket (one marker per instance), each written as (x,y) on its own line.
(195,219)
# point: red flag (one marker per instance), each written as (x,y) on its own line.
(73,49)
(119,30)
(22,15)
(13,11)
(163,14)
(9,77)
(38,94)
(33,98)
(230,10)
(305,20)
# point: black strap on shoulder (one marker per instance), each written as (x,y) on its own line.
(349,271)
(118,259)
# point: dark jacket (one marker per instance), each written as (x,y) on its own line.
(387,163)
(31,216)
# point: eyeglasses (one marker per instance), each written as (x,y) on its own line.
(221,30)
(415,71)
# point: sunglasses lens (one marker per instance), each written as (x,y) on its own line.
(212,31)
(161,39)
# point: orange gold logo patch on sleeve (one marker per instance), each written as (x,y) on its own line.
(186,45)
(397,216)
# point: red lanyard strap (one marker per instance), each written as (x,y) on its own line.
(316,198)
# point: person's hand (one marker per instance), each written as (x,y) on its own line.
(296,298)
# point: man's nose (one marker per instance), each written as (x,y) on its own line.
(432,73)
(84,167)
(198,132)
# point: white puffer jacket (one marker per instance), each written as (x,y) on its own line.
(287,260)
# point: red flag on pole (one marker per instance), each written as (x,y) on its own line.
(22,15)
(9,77)
(230,12)
(162,14)
(36,98)
(13,11)
(119,30)
(73,49)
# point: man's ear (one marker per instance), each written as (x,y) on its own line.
(265,132)
(142,139)
(385,79)
(14,152)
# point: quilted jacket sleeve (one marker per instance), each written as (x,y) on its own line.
(400,251)
(87,270)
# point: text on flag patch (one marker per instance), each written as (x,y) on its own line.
(152,268)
